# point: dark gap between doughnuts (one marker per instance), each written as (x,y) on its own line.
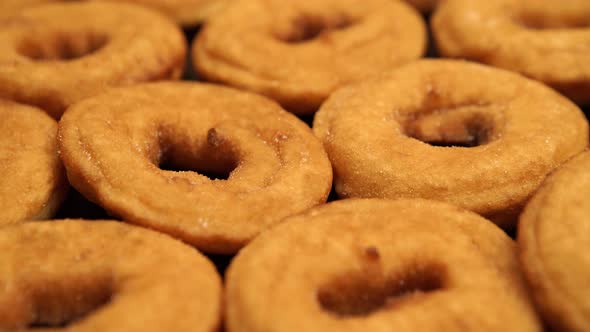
(76,206)
(307,27)
(190,73)
(221,262)
(215,159)
(431,48)
(66,303)
(586,110)
(360,294)
(62,46)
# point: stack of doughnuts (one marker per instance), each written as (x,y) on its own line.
(294,165)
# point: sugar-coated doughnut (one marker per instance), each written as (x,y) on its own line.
(478,137)
(32,179)
(378,265)
(91,276)
(554,240)
(56,54)
(546,40)
(119,147)
(297,52)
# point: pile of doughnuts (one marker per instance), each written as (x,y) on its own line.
(294,165)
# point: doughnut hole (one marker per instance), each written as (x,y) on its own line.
(215,158)
(62,301)
(467,125)
(61,46)
(307,27)
(363,293)
(552,19)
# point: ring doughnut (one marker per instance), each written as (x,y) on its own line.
(117,148)
(553,236)
(185,12)
(32,179)
(541,39)
(54,55)
(437,133)
(103,276)
(298,52)
(378,265)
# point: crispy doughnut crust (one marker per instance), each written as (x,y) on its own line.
(104,276)
(54,55)
(554,240)
(113,143)
(541,39)
(298,52)
(188,13)
(522,130)
(437,263)
(32,178)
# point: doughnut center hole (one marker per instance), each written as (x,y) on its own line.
(215,158)
(361,294)
(60,304)
(61,46)
(547,21)
(307,27)
(462,126)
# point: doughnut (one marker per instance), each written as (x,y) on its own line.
(209,165)
(437,133)
(54,55)
(103,276)
(298,52)
(185,12)
(554,242)
(542,39)
(32,178)
(378,265)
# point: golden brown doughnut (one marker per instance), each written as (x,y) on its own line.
(32,178)
(299,51)
(91,276)
(185,12)
(546,40)
(378,265)
(112,146)
(554,240)
(478,137)
(54,55)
